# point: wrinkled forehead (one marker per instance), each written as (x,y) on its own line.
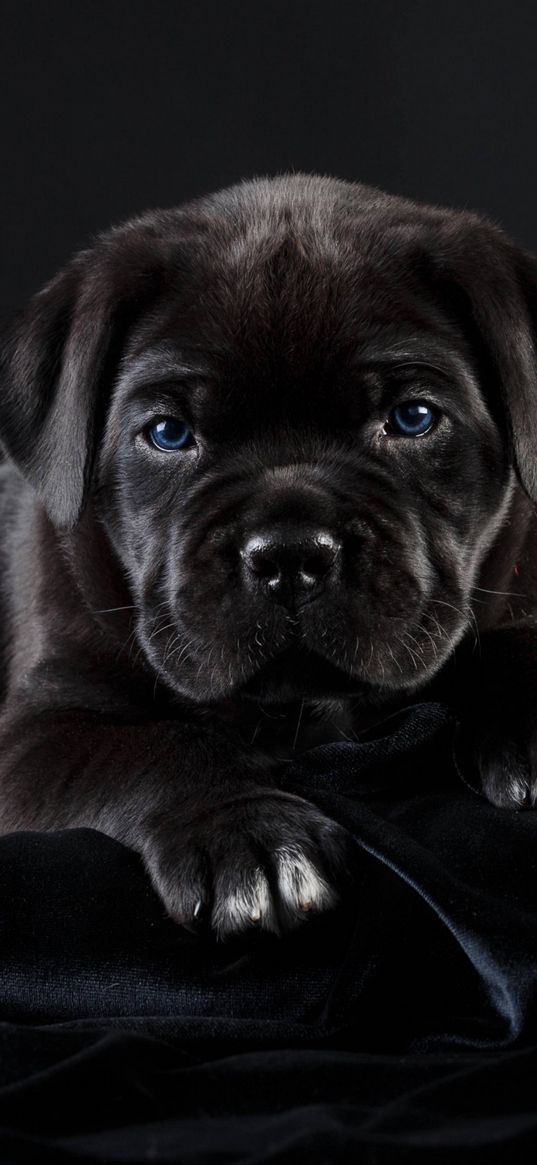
(290,310)
(296,305)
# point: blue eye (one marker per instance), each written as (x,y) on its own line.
(412,418)
(169,435)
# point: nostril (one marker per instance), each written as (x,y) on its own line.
(261,559)
(318,559)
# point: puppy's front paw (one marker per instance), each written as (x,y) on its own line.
(507,766)
(267,861)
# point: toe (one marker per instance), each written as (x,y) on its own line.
(243,900)
(302,888)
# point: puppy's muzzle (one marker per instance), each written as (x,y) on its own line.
(291,564)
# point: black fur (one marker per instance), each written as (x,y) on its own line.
(176,624)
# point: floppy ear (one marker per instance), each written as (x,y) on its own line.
(498,283)
(521,392)
(57,368)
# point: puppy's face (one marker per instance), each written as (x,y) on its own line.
(304,410)
(302,476)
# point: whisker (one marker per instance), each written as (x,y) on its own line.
(183,651)
(467,614)
(159,630)
(424,631)
(298,723)
(506,594)
(457,610)
(410,652)
(109,610)
(440,629)
(395,660)
(414,640)
(256,731)
(171,643)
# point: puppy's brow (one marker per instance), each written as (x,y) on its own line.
(157,367)
(446,363)
(398,363)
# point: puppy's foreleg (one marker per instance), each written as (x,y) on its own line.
(220,841)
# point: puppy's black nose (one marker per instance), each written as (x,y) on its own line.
(290,564)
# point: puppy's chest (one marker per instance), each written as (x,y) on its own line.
(282,733)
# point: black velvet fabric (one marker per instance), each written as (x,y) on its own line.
(402,1027)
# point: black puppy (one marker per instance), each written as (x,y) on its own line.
(269,462)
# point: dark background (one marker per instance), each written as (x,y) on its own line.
(112,106)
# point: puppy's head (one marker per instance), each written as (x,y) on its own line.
(300,406)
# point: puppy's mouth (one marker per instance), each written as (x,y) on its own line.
(299,672)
